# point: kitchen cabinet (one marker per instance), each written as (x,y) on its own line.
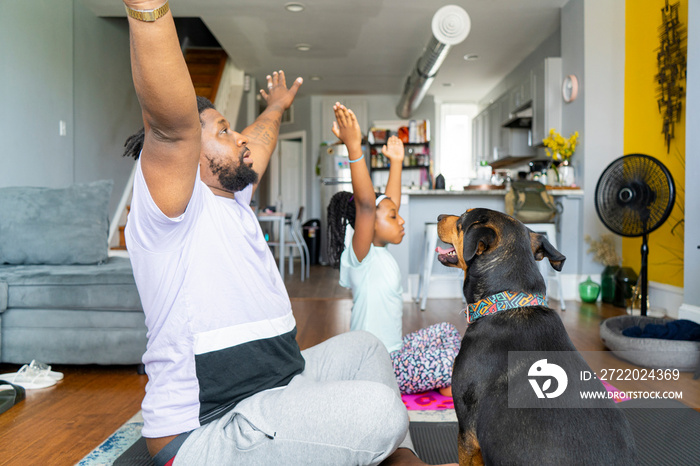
(538,97)
(521,94)
(480,136)
(495,131)
(546,99)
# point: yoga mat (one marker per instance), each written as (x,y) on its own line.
(427,401)
(435,442)
(136,455)
(665,432)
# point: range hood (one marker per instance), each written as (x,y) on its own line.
(450,26)
(521,118)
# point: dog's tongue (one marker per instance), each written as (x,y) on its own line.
(439,250)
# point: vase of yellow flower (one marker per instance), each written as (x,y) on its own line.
(560,149)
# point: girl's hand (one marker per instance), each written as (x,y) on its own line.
(346,128)
(393,150)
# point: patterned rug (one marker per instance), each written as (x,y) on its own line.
(117,443)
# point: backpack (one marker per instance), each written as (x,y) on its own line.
(529,202)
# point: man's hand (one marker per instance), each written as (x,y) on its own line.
(346,128)
(277,94)
(394,151)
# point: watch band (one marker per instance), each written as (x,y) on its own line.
(148,15)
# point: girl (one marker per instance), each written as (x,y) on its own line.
(423,359)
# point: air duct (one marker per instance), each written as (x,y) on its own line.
(450,25)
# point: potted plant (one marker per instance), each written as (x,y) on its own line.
(605,253)
(560,149)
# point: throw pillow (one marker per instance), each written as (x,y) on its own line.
(55,226)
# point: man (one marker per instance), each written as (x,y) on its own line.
(227,382)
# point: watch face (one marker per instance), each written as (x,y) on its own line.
(569,89)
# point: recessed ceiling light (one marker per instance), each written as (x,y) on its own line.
(294,7)
(471,57)
(315,78)
(303,47)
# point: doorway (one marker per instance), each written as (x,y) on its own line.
(287,181)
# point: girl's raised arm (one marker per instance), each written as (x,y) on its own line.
(347,129)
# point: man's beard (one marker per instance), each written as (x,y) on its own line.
(234,179)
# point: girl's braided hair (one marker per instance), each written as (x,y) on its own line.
(134,143)
(341,213)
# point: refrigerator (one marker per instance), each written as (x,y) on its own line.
(335,177)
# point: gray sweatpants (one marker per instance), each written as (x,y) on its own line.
(345,408)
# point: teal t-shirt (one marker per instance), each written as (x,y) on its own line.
(376,294)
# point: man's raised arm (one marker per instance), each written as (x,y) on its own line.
(164,88)
(262,134)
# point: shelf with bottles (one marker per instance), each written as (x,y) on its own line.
(417,155)
(417,149)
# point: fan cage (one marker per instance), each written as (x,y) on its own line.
(635,194)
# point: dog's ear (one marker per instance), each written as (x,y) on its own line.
(542,248)
(477,239)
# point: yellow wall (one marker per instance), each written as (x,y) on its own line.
(643,134)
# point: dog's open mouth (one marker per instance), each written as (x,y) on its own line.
(447,256)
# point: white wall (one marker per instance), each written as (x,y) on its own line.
(691,299)
(592,48)
(59,62)
(603,84)
(36,92)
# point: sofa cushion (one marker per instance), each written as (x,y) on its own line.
(106,286)
(55,226)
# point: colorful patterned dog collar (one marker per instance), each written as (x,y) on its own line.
(501,302)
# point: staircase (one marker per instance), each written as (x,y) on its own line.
(206,66)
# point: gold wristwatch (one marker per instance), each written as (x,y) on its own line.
(148,15)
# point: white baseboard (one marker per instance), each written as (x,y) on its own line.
(690,312)
(666,297)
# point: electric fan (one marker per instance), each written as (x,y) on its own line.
(634,196)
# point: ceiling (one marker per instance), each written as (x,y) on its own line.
(369,46)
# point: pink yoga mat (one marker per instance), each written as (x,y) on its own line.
(611,389)
(433,400)
(427,401)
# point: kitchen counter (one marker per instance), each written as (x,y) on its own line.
(419,207)
(486,192)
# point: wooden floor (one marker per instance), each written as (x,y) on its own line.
(61,424)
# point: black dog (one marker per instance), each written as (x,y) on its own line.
(506,294)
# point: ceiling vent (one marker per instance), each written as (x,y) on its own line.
(450,25)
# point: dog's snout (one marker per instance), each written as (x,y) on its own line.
(441,216)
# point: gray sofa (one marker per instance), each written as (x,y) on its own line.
(63,299)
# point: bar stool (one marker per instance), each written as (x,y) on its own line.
(550,231)
(297,241)
(430,238)
(430,241)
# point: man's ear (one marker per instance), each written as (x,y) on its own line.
(542,248)
(477,239)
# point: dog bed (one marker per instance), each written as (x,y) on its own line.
(648,352)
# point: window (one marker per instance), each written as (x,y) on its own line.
(455,149)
